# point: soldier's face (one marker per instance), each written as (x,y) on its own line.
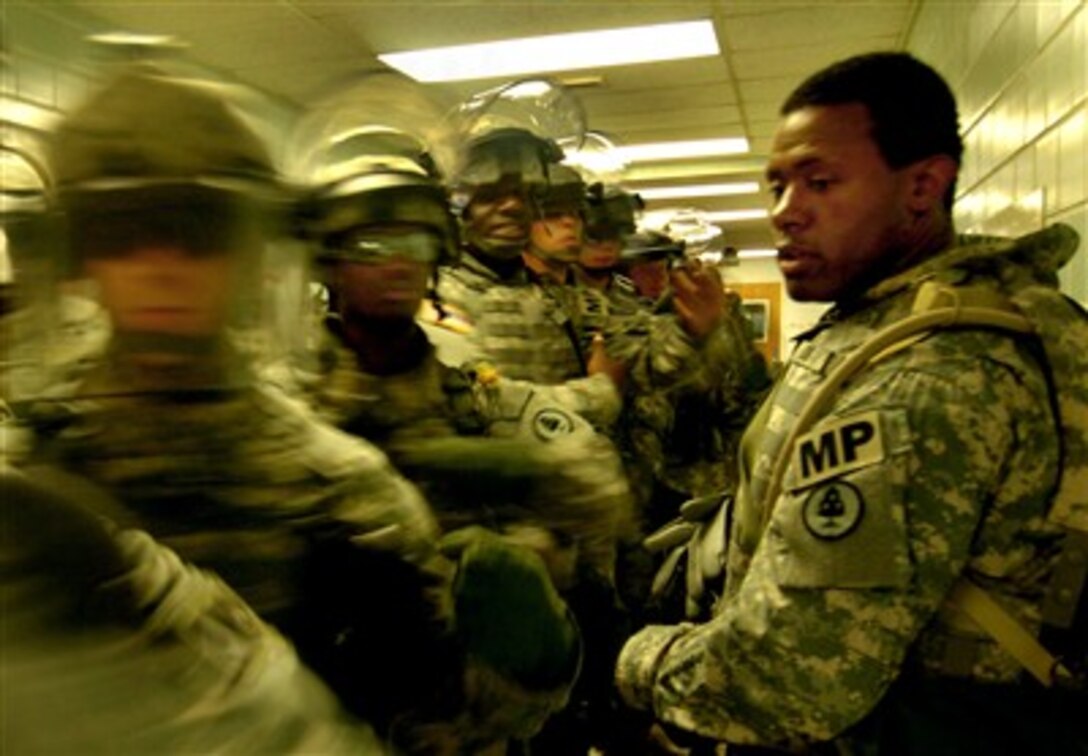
(498,217)
(650,278)
(161,289)
(390,287)
(558,237)
(840,213)
(600,254)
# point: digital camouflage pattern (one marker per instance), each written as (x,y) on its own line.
(939,460)
(519,326)
(288,511)
(686,402)
(111,644)
(552,469)
(507,455)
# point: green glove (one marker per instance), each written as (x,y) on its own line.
(508,614)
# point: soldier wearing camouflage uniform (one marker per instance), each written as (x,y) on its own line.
(486,451)
(522,327)
(609,221)
(112,644)
(886,476)
(168,198)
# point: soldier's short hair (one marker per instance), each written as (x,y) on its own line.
(913,110)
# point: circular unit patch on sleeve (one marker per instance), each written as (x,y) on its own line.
(549,424)
(833,510)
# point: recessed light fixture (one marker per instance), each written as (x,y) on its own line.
(755,254)
(634,153)
(696,190)
(659,151)
(558,52)
(732,216)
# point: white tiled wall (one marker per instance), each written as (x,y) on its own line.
(1020,72)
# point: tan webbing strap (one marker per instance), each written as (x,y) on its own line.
(936,307)
(980,606)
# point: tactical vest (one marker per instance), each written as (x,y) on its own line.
(1060,328)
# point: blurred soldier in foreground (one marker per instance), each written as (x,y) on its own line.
(170,203)
(112,645)
(907,489)
(76,327)
(486,451)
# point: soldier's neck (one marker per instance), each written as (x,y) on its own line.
(385,346)
(546,268)
(504,268)
(594,278)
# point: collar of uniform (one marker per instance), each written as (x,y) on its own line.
(1036,257)
(472,261)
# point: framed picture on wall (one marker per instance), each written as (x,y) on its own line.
(758,314)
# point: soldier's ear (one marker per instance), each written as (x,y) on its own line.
(928,182)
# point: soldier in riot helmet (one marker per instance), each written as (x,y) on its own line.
(171,205)
(521,327)
(555,236)
(611,217)
(646,260)
(486,451)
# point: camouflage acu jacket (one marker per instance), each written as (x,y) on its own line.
(936,461)
(312,527)
(486,449)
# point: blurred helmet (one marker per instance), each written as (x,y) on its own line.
(648,246)
(151,161)
(611,212)
(376,175)
(147,138)
(515,131)
(24,201)
(563,194)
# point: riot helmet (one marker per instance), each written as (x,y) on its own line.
(611,212)
(646,259)
(610,216)
(512,137)
(168,194)
(23,222)
(563,194)
(376,176)
(649,245)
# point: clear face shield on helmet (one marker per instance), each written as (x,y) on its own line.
(371,157)
(688,225)
(27,253)
(511,136)
(173,233)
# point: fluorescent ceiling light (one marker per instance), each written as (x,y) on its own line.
(656,151)
(635,153)
(697,190)
(732,216)
(752,254)
(558,52)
